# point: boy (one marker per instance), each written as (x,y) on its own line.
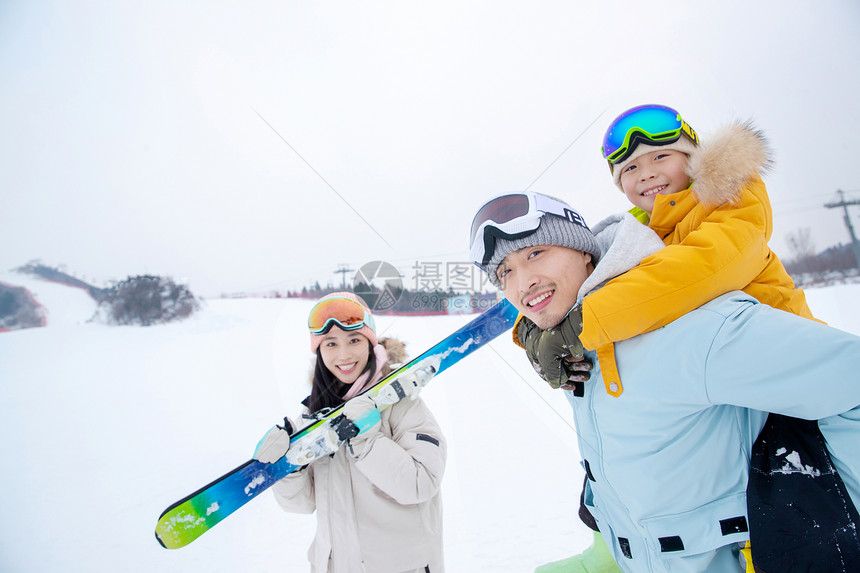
(667,458)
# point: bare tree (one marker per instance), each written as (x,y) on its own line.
(803,257)
(800,243)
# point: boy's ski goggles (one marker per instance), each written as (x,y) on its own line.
(654,124)
(341,311)
(512,217)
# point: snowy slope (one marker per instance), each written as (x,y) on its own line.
(103,427)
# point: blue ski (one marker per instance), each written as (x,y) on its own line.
(194,515)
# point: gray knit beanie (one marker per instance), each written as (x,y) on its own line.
(552,230)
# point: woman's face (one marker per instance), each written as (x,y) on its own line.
(345,354)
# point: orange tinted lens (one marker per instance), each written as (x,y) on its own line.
(344,311)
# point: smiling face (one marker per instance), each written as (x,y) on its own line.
(660,172)
(345,354)
(542,282)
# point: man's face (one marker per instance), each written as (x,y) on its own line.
(542,282)
(659,172)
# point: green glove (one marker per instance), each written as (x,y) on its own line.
(557,354)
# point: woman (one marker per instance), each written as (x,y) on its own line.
(377,498)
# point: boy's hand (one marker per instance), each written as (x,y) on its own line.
(557,354)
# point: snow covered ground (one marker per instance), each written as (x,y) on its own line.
(104,427)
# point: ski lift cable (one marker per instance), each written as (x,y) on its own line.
(526,382)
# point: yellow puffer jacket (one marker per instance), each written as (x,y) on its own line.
(716,236)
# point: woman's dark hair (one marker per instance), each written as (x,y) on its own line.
(326,390)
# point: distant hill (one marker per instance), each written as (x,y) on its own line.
(35,295)
(55,275)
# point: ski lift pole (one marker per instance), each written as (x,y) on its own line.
(855,246)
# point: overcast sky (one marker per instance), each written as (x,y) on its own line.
(258,145)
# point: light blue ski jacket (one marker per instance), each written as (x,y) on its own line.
(667,461)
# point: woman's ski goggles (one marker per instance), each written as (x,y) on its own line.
(512,217)
(341,311)
(651,124)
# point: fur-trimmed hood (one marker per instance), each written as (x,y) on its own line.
(723,163)
(396,353)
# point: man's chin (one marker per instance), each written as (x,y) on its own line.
(543,320)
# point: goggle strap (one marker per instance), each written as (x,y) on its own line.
(689,132)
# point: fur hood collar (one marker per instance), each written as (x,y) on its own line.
(396,352)
(723,164)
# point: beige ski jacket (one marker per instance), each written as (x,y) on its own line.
(382,511)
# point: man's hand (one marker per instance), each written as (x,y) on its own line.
(557,354)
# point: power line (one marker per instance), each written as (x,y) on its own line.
(515,371)
(575,139)
(323,179)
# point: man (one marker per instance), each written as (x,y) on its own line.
(666,445)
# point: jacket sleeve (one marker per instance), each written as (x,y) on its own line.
(725,252)
(295,493)
(407,465)
(774,361)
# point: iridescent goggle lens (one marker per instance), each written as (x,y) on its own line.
(337,310)
(512,217)
(654,124)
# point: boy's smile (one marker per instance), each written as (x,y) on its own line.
(660,172)
(653,191)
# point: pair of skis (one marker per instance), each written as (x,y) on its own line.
(195,514)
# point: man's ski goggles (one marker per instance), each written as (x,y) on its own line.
(341,311)
(654,124)
(512,217)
